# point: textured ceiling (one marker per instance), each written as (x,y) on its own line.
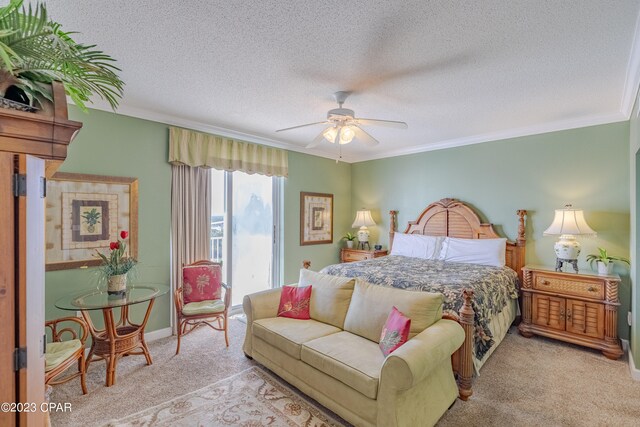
(456,72)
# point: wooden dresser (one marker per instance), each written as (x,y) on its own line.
(351,255)
(580,308)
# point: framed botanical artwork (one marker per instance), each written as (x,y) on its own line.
(316,218)
(84,213)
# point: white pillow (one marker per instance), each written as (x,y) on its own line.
(416,245)
(474,251)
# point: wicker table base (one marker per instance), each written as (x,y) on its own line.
(117,339)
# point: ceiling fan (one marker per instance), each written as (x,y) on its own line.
(344,126)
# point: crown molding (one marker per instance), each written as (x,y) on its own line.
(502,135)
(632,79)
(154,116)
(440,145)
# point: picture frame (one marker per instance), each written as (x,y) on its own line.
(316,218)
(84,213)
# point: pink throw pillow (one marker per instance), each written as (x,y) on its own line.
(201,283)
(294,302)
(395,331)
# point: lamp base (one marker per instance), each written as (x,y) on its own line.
(362,244)
(567,247)
(561,261)
(363,237)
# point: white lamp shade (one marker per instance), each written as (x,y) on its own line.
(346,135)
(330,134)
(569,221)
(363,219)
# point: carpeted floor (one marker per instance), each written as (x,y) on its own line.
(526,382)
(254,397)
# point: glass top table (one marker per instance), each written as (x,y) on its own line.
(120,337)
(96,299)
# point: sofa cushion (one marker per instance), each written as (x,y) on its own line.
(288,334)
(330,297)
(349,358)
(371,304)
(294,302)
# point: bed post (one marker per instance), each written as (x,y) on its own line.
(465,370)
(521,234)
(521,243)
(393,220)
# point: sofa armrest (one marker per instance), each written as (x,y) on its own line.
(256,306)
(413,361)
(261,304)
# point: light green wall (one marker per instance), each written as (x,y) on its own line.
(593,162)
(111,144)
(314,174)
(634,158)
(587,167)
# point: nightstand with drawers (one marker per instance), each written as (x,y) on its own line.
(580,308)
(351,255)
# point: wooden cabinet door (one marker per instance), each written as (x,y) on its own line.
(30,302)
(548,312)
(585,318)
(7,289)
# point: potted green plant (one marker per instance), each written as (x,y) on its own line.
(349,238)
(604,261)
(117,265)
(34,52)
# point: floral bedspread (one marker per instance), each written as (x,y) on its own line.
(493,287)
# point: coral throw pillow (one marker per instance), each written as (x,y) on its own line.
(294,302)
(395,331)
(201,283)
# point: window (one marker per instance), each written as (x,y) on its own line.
(245,216)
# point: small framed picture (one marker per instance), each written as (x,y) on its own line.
(316,218)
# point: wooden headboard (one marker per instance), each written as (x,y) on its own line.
(453,218)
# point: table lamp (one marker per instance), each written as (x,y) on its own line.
(567,224)
(363,220)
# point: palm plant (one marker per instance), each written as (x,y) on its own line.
(34,51)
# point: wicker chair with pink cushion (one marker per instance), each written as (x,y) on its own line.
(199,301)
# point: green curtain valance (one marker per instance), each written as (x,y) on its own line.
(197,149)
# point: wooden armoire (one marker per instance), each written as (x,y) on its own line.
(30,143)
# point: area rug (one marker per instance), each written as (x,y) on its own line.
(252,398)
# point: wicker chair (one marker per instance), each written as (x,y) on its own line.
(60,355)
(195,314)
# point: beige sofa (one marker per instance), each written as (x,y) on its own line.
(334,357)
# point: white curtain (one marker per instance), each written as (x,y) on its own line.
(190,217)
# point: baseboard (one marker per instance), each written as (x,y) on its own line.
(158,334)
(635,372)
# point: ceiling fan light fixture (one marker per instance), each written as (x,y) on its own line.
(330,134)
(346,135)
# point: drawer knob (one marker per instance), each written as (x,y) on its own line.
(545,282)
(591,289)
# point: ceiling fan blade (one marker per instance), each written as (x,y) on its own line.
(302,126)
(386,123)
(364,137)
(317,140)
